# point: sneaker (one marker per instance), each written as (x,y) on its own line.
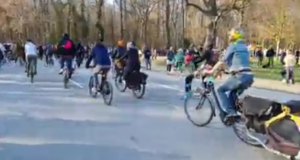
(61,71)
(187,95)
(94,89)
(229,118)
(283,81)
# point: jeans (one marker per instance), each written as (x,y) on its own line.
(68,61)
(31,59)
(226,91)
(148,63)
(271,61)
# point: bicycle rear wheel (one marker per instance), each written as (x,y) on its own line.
(208,109)
(120,83)
(241,131)
(31,72)
(107,92)
(66,79)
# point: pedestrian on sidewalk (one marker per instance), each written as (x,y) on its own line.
(179,60)
(288,68)
(147,57)
(170,59)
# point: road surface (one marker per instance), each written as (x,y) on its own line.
(43,121)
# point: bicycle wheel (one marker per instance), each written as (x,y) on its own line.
(120,83)
(241,131)
(107,92)
(66,79)
(31,72)
(139,91)
(208,109)
(91,85)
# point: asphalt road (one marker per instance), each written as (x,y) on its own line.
(43,121)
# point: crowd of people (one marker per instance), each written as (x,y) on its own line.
(287,58)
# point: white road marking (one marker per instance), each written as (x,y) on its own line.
(76,84)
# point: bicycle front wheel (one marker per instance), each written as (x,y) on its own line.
(200,113)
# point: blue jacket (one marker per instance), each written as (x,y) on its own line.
(170,55)
(147,54)
(99,55)
(237,56)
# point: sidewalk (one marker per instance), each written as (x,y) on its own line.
(258,82)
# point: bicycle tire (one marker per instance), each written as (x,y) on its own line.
(91,85)
(212,108)
(142,88)
(31,72)
(240,137)
(110,88)
(66,79)
(117,83)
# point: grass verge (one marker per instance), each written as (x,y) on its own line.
(259,72)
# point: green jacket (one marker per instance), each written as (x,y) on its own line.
(180,57)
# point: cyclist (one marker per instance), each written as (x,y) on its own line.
(66,50)
(101,59)
(237,59)
(31,55)
(132,62)
(210,60)
(118,53)
(79,54)
(48,53)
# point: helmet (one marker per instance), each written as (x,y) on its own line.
(120,43)
(236,34)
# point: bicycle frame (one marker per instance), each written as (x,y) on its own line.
(215,96)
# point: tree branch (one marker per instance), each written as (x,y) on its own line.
(206,12)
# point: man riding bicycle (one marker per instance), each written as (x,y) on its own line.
(66,51)
(31,56)
(101,59)
(117,54)
(237,59)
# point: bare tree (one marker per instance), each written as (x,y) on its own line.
(214,10)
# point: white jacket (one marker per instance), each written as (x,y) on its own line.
(2,48)
(30,49)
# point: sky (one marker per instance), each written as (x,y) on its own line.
(110,1)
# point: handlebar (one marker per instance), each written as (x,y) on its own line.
(219,72)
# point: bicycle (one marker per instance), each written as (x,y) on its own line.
(105,88)
(49,61)
(136,82)
(30,72)
(66,76)
(208,93)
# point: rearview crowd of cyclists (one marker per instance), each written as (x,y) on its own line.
(236,59)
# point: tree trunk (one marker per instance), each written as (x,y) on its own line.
(99,25)
(211,31)
(121,19)
(69,18)
(167,23)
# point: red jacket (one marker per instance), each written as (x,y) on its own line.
(188,58)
